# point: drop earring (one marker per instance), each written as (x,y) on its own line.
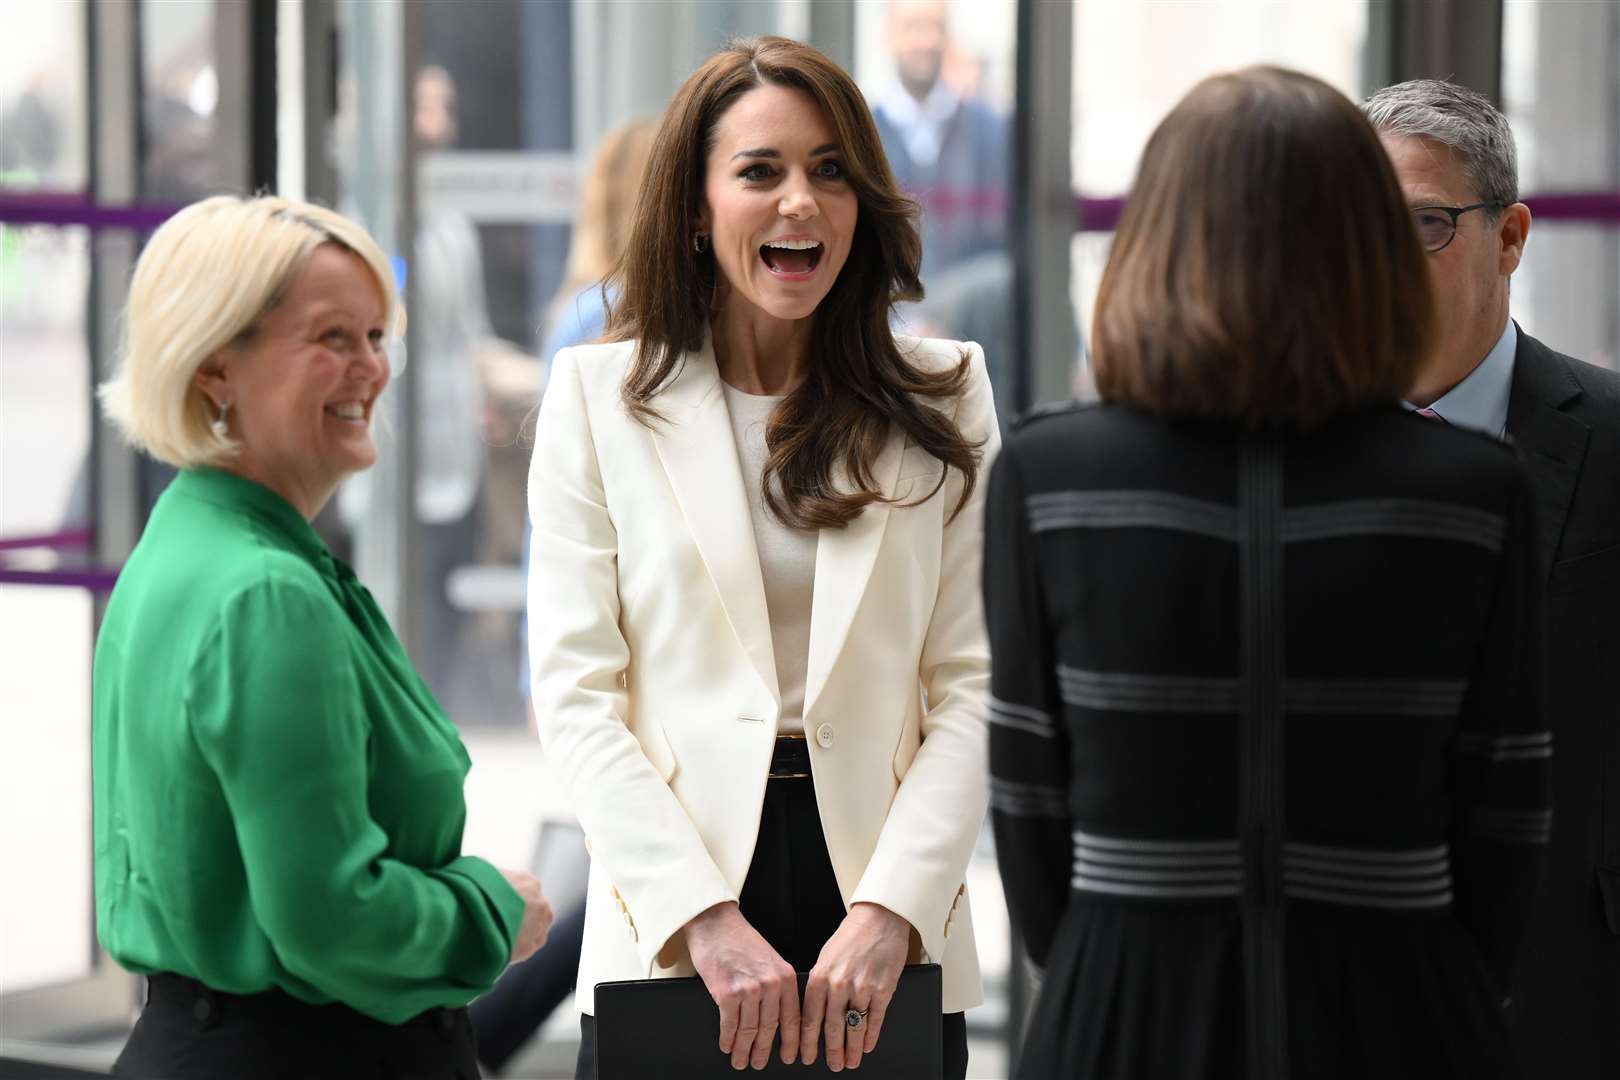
(700,242)
(221,430)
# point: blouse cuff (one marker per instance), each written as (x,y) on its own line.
(504,900)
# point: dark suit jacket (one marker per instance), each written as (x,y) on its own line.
(1565,416)
(965,192)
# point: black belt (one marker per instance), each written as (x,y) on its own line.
(209,1006)
(790,760)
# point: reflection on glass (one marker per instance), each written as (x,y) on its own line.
(43,77)
(938,77)
(463,94)
(44,384)
(181,81)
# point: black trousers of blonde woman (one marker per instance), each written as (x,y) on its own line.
(791,897)
(190,1032)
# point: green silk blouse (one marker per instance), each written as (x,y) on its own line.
(278,797)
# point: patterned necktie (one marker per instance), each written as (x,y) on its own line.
(1430,414)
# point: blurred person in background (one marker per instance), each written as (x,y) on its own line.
(509,1015)
(953,153)
(765,789)
(578,313)
(1269,758)
(450,465)
(948,149)
(278,796)
(1455,156)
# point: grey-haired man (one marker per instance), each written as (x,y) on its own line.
(1454,155)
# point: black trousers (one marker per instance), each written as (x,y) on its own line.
(791,897)
(189,1032)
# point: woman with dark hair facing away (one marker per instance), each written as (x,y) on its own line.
(757,641)
(1268,758)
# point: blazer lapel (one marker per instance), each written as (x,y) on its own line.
(844,561)
(1554,442)
(699,455)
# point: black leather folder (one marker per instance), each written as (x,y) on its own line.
(669,1029)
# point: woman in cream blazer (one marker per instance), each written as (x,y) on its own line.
(655,679)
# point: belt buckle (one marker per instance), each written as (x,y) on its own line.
(772,773)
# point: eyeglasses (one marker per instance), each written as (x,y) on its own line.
(1437,225)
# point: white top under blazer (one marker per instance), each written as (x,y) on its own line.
(654,682)
(787,557)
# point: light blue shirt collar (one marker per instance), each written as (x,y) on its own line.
(1480,401)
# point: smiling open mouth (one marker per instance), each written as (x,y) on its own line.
(348,410)
(791,258)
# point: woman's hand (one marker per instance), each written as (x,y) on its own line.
(537,915)
(756,990)
(858,969)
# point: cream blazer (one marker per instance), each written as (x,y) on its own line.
(654,680)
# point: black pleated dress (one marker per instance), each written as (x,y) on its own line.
(1269,761)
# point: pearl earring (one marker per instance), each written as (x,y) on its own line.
(221,430)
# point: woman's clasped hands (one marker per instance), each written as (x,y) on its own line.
(757,994)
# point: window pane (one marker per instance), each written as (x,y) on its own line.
(45,844)
(1565,291)
(1562,96)
(45,636)
(42,96)
(44,382)
(1133,62)
(180,161)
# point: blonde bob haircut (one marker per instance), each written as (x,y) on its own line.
(207,277)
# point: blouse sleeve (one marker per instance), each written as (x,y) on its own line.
(1029,747)
(1501,798)
(275,708)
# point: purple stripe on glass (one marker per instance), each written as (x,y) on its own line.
(96,579)
(67,540)
(1591,206)
(1094,214)
(73,208)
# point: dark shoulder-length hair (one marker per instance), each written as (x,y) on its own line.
(1266,269)
(858,382)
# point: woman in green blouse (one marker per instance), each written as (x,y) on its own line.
(278,797)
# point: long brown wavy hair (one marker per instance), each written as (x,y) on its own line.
(858,383)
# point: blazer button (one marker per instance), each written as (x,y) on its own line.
(824,736)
